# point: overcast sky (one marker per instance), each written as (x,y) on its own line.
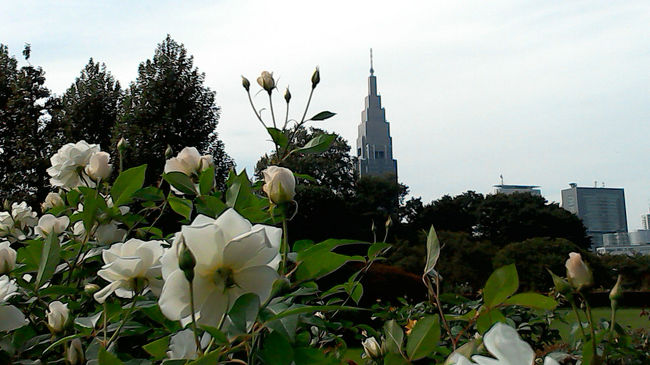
(543,92)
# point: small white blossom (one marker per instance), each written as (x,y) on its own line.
(188,161)
(98,167)
(57,316)
(279,184)
(49,224)
(52,200)
(7,257)
(10,316)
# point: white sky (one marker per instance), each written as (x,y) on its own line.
(543,92)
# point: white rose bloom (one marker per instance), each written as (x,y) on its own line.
(10,316)
(52,200)
(188,161)
(75,353)
(23,215)
(279,184)
(131,266)
(68,163)
(371,348)
(232,257)
(98,167)
(183,347)
(57,316)
(504,343)
(14,225)
(7,257)
(49,224)
(6,224)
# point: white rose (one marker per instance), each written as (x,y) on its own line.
(98,167)
(504,343)
(75,354)
(49,224)
(182,346)
(188,161)
(232,257)
(23,215)
(52,200)
(7,258)
(10,316)
(130,267)
(266,81)
(57,316)
(279,184)
(577,272)
(371,348)
(68,163)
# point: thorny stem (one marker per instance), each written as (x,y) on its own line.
(302,121)
(575,310)
(194,329)
(272,113)
(255,110)
(285,244)
(286,118)
(435,294)
(591,324)
(128,313)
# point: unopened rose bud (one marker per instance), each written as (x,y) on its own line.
(389,222)
(245,83)
(91,288)
(577,272)
(6,205)
(98,167)
(7,258)
(371,347)
(75,353)
(121,145)
(168,152)
(57,316)
(266,81)
(315,78)
(186,260)
(279,184)
(617,291)
(287,96)
(373,228)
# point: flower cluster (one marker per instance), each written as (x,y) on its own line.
(79,164)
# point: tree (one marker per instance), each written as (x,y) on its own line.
(23,121)
(168,105)
(454,214)
(333,168)
(89,108)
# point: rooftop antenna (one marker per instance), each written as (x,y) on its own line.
(501,176)
(372,70)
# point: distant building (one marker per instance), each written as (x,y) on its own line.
(602,210)
(374,143)
(511,189)
(640,237)
(645,221)
(631,243)
(630,250)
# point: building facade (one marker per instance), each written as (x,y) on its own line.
(602,210)
(374,143)
(511,189)
(645,221)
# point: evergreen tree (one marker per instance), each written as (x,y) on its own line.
(169,105)
(89,108)
(23,118)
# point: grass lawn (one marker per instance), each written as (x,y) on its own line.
(626,317)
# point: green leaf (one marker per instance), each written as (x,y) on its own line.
(157,348)
(310,356)
(355,290)
(181,182)
(244,312)
(278,137)
(433,251)
(126,184)
(395,359)
(209,205)
(276,350)
(206,181)
(209,359)
(424,337)
(149,193)
(49,260)
(61,341)
(312,309)
(239,192)
(219,337)
(319,260)
(180,205)
(487,318)
(106,358)
(304,176)
(394,336)
(317,144)
(323,115)
(377,248)
(532,300)
(503,282)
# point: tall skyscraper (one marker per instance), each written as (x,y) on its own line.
(602,210)
(645,221)
(374,143)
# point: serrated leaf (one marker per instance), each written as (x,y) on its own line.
(180,182)
(180,205)
(209,205)
(532,300)
(424,337)
(278,137)
(503,283)
(126,184)
(206,181)
(322,115)
(433,251)
(318,144)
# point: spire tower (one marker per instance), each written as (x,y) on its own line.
(374,143)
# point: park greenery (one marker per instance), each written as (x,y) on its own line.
(127,236)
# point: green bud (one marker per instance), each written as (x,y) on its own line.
(315,78)
(280,286)
(91,289)
(389,222)
(168,152)
(562,286)
(121,145)
(617,291)
(245,83)
(186,260)
(287,95)
(6,205)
